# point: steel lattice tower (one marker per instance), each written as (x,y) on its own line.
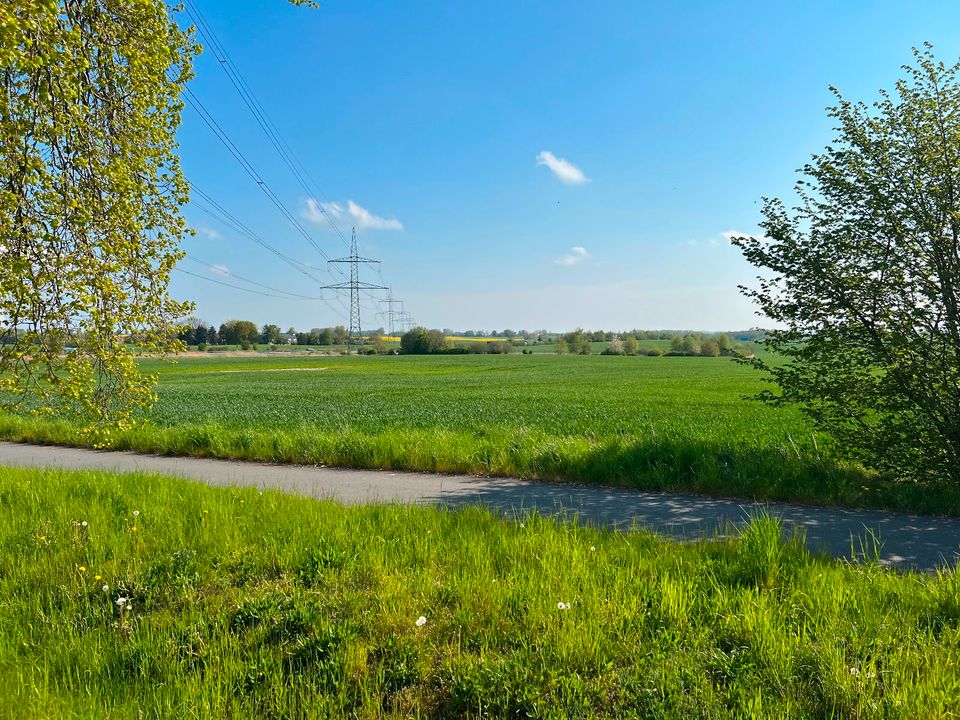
(354,285)
(390,312)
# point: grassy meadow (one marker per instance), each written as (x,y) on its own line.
(678,423)
(142,596)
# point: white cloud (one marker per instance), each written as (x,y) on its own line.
(209,232)
(219,269)
(362,219)
(565,171)
(576,255)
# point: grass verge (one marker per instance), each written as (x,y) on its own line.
(720,470)
(242,604)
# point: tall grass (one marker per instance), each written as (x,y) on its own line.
(653,423)
(247,604)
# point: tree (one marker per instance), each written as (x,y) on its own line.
(437,341)
(271,335)
(238,332)
(415,341)
(340,335)
(90,191)
(710,348)
(614,347)
(863,279)
(630,345)
(578,342)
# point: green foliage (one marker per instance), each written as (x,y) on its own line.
(238,332)
(578,342)
(245,604)
(90,191)
(420,341)
(863,279)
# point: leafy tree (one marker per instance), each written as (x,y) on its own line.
(630,345)
(416,341)
(863,279)
(578,342)
(561,346)
(437,341)
(238,332)
(340,335)
(710,348)
(271,335)
(90,191)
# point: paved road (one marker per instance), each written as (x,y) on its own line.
(907,541)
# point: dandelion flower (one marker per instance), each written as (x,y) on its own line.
(563,606)
(421,621)
(98,577)
(136,513)
(82,568)
(106,588)
(133,529)
(593,549)
(83,524)
(121,601)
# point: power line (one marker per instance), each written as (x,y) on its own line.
(283,148)
(259,113)
(231,220)
(235,287)
(248,167)
(227,271)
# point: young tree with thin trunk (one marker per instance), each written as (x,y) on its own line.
(863,279)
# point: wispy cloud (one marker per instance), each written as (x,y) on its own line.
(209,232)
(576,255)
(731,234)
(219,269)
(361,218)
(565,170)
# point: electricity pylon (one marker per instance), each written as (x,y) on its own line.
(390,312)
(354,285)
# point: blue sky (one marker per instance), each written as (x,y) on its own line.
(431,117)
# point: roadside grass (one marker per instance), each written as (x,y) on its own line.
(248,604)
(676,424)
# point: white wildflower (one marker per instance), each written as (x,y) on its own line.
(136,513)
(106,588)
(563,606)
(121,601)
(421,621)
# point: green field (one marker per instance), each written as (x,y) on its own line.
(662,422)
(241,604)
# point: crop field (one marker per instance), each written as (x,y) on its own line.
(650,422)
(142,596)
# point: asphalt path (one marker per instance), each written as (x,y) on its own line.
(896,539)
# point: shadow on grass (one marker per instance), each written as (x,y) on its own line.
(753,473)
